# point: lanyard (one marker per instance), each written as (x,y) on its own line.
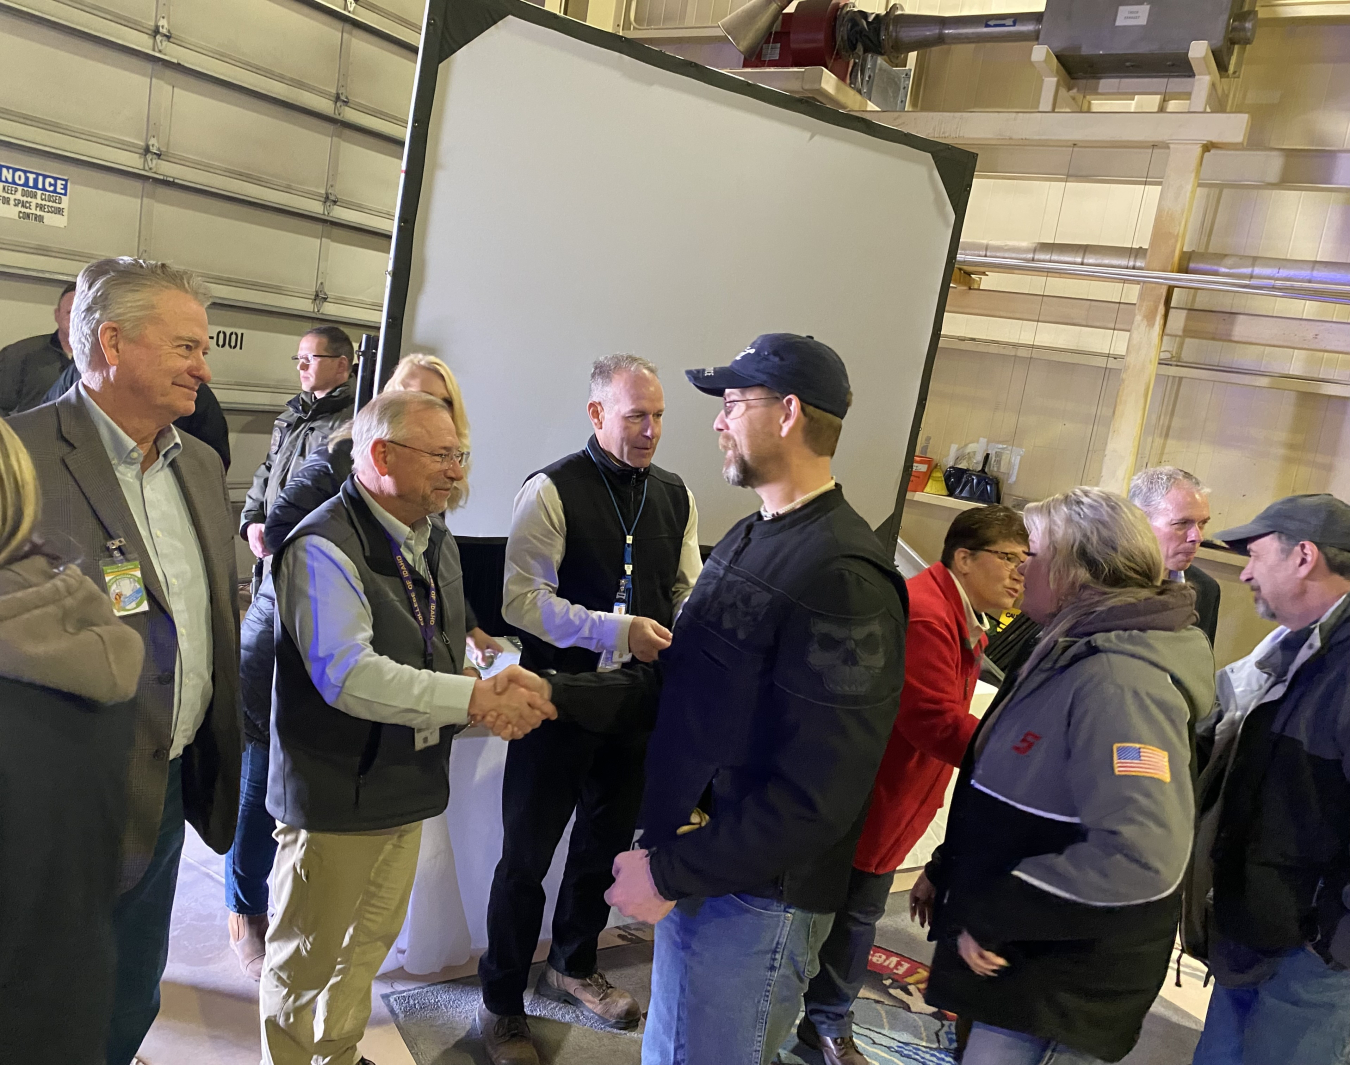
(627,529)
(426,623)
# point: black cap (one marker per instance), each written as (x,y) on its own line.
(791,364)
(1323,519)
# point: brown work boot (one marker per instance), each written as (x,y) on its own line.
(596,995)
(835,1051)
(506,1038)
(248,938)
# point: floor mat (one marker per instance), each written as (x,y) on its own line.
(438,1021)
(893,1024)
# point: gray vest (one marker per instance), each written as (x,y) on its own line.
(329,771)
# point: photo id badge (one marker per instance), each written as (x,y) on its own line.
(609,661)
(126,587)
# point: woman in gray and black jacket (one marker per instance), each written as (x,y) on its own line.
(1056,891)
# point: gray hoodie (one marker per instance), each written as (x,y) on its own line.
(58,630)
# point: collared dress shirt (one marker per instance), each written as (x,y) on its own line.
(161,513)
(535,550)
(323,605)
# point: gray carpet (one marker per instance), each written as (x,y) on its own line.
(892,1023)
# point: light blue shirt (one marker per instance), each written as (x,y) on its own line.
(323,604)
(165,524)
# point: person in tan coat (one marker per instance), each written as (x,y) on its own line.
(67,667)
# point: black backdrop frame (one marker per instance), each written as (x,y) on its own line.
(449,25)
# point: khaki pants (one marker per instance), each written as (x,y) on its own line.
(340,901)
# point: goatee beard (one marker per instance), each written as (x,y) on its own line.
(738,472)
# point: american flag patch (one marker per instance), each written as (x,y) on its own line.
(1141,760)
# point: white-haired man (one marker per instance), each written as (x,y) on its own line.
(1177,505)
(603,552)
(369,691)
(149,513)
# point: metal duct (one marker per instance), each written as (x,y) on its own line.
(896,33)
(1293,278)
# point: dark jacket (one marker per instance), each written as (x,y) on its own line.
(777,697)
(1070,829)
(933,727)
(327,770)
(595,491)
(310,485)
(67,665)
(1273,843)
(82,499)
(28,368)
(1206,601)
(305,424)
(207,423)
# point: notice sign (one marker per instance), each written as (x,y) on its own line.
(30,196)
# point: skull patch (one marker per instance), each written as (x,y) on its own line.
(847,654)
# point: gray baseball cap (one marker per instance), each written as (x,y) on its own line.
(1323,519)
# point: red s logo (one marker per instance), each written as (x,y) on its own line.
(1028,741)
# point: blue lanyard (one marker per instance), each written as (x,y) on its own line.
(628,530)
(426,623)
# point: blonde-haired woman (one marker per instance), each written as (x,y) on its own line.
(64,658)
(1056,891)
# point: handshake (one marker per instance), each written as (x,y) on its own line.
(511,703)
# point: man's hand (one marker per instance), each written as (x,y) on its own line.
(982,962)
(921,898)
(256,544)
(634,891)
(483,649)
(647,639)
(511,710)
(523,678)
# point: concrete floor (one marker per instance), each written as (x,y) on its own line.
(209,1014)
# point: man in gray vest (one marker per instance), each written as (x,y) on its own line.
(369,690)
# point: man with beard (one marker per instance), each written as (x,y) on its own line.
(1268,895)
(777,697)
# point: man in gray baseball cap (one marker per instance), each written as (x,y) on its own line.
(1268,897)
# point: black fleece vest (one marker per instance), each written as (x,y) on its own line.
(593,556)
(329,771)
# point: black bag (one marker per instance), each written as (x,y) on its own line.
(975,486)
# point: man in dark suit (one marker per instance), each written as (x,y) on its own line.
(150,517)
(1177,505)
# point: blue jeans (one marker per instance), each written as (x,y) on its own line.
(727,979)
(141,929)
(998,1046)
(844,956)
(249,861)
(1301,1014)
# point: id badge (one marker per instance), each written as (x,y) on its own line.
(425,737)
(608,659)
(126,587)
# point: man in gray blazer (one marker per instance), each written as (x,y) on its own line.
(150,517)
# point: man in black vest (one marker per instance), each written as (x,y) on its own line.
(1177,505)
(777,699)
(370,688)
(603,552)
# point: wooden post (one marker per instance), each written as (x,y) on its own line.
(1150,314)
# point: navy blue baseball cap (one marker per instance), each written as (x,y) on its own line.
(787,363)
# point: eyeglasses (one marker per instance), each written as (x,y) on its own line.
(304,360)
(445,458)
(729,405)
(1010,560)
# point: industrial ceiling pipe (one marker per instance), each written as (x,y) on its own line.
(1256,270)
(896,33)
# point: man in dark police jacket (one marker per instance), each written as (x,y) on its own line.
(777,696)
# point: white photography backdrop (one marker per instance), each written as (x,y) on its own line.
(581,195)
(579,202)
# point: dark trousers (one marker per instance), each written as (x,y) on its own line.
(555,769)
(141,929)
(843,958)
(249,861)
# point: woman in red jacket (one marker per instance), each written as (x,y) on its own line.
(943,647)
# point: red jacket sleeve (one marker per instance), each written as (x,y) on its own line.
(935,703)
